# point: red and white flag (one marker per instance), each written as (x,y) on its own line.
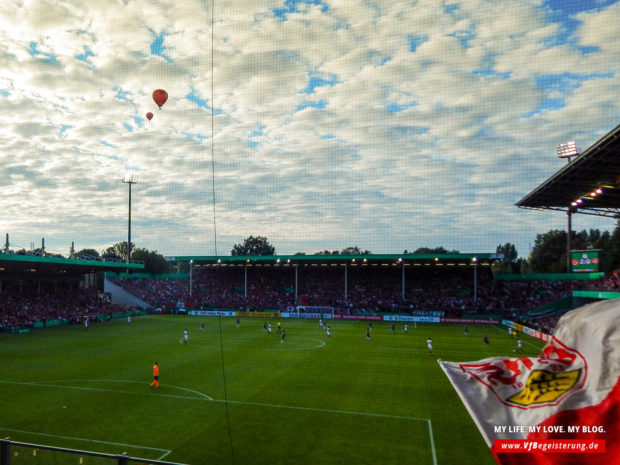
(562,407)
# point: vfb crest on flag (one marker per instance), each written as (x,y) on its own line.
(526,382)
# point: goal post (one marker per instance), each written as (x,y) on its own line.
(314,311)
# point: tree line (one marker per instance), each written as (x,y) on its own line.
(548,254)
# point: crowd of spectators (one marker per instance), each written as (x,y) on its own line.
(368,289)
(360,290)
(24,305)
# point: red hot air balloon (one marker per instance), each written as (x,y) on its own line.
(149,116)
(160,96)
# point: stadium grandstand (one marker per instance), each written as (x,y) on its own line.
(49,290)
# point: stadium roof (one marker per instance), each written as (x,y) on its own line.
(15,263)
(371,259)
(598,167)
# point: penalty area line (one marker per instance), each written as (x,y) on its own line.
(206,398)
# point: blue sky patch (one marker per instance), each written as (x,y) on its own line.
(487,69)
(556,87)
(320,104)
(4,92)
(157,46)
(255,133)
(121,94)
(128,127)
(194,97)
(377,58)
(44,57)
(451,9)
(397,108)
(415,41)
(547,104)
(571,7)
(194,136)
(464,36)
(292,6)
(85,56)
(562,12)
(63,129)
(317,80)
(566,82)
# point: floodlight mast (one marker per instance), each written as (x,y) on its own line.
(129,179)
(568,150)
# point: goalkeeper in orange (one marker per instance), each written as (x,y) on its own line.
(155,375)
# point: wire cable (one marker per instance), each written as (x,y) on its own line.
(230,438)
(232,449)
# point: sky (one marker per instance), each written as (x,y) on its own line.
(387,125)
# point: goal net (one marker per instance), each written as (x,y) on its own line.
(314,311)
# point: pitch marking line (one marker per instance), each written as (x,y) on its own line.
(108,443)
(206,398)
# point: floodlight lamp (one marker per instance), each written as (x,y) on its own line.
(574,204)
(599,191)
(474,259)
(567,149)
(130,178)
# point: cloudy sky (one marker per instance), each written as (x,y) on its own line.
(320,124)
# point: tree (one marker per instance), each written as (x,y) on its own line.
(328,252)
(258,245)
(508,264)
(549,252)
(118,250)
(354,251)
(612,250)
(436,250)
(154,262)
(87,253)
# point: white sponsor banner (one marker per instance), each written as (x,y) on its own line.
(314,316)
(211,313)
(417,319)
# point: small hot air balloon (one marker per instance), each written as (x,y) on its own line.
(160,96)
(149,116)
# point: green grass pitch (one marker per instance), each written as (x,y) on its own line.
(309,400)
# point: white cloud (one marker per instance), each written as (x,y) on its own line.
(419,137)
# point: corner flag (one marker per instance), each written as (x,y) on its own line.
(562,407)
